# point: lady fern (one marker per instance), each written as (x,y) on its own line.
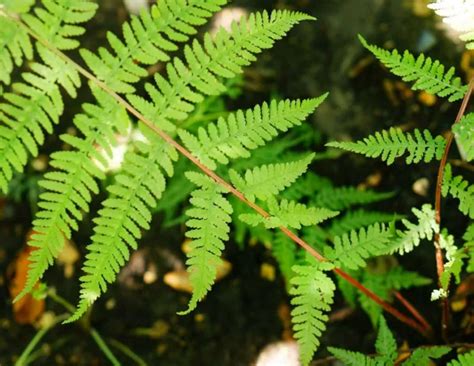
(428,75)
(171,101)
(464,132)
(312,295)
(351,250)
(391,144)
(244,131)
(459,188)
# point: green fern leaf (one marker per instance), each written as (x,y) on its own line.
(466,359)
(312,295)
(351,358)
(243,131)
(423,356)
(69,189)
(464,132)
(17,6)
(266,181)
(340,198)
(351,250)
(220,57)
(385,344)
(15,45)
(124,215)
(391,144)
(208,228)
(469,244)
(427,74)
(57,23)
(289,214)
(33,109)
(148,39)
(410,238)
(353,220)
(459,188)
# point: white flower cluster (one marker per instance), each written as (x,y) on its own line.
(459,15)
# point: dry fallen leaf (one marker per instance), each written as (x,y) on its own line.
(26,310)
(179,280)
(67,257)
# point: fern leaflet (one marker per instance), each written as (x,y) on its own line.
(208,228)
(70,187)
(410,238)
(312,295)
(351,249)
(243,131)
(123,215)
(391,144)
(268,180)
(15,45)
(469,244)
(459,188)
(148,39)
(16,6)
(464,132)
(427,74)
(466,359)
(57,22)
(221,57)
(284,251)
(35,107)
(288,214)
(423,356)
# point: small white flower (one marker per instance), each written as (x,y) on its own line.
(459,15)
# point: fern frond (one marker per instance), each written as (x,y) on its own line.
(58,22)
(70,187)
(385,344)
(33,109)
(289,214)
(208,228)
(266,181)
(410,238)
(220,57)
(243,131)
(340,198)
(15,46)
(423,356)
(458,14)
(148,39)
(124,215)
(351,358)
(391,144)
(459,188)
(352,249)
(353,220)
(468,237)
(464,132)
(429,75)
(312,295)
(466,359)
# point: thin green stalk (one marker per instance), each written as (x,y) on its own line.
(127,351)
(25,355)
(103,347)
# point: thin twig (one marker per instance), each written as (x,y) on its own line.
(439,183)
(386,306)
